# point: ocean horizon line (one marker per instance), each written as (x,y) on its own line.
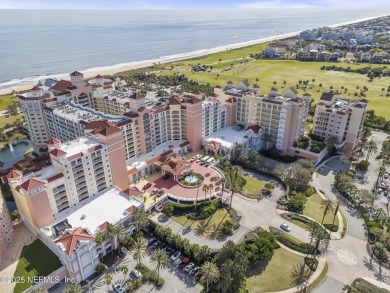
(19,84)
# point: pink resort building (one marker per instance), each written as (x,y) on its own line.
(67,203)
(6,227)
(340,117)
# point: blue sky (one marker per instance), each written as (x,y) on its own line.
(184,4)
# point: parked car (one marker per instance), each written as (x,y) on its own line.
(154,191)
(194,271)
(160,193)
(147,185)
(176,256)
(386,193)
(189,267)
(382,185)
(118,288)
(165,177)
(135,274)
(285,227)
(124,250)
(380,190)
(171,251)
(156,244)
(184,262)
(386,176)
(151,241)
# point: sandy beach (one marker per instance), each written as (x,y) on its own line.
(107,70)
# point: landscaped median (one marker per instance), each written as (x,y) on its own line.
(210,219)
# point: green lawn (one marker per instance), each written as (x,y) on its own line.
(9,119)
(269,71)
(314,211)
(6,100)
(276,275)
(36,260)
(253,185)
(209,227)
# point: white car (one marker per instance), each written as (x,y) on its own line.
(382,185)
(118,288)
(380,190)
(285,227)
(386,175)
(176,256)
(135,274)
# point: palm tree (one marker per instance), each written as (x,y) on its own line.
(205,188)
(327,205)
(73,288)
(99,239)
(124,269)
(119,233)
(161,258)
(345,159)
(211,188)
(223,182)
(139,250)
(312,227)
(210,273)
(319,235)
(370,147)
(266,139)
(107,279)
(336,209)
(140,219)
(235,183)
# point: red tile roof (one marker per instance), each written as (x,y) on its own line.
(98,124)
(130,209)
(14,174)
(76,73)
(31,184)
(53,141)
(133,192)
(109,130)
(57,152)
(55,177)
(61,86)
(137,96)
(35,88)
(103,226)
(193,100)
(174,100)
(255,128)
(184,144)
(98,76)
(231,100)
(71,239)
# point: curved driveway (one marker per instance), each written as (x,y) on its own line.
(347,258)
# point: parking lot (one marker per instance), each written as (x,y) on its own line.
(176,279)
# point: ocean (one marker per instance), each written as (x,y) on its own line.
(40,43)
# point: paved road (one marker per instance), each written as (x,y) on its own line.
(347,258)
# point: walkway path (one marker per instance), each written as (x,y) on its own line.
(22,237)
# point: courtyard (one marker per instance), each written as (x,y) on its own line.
(177,191)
